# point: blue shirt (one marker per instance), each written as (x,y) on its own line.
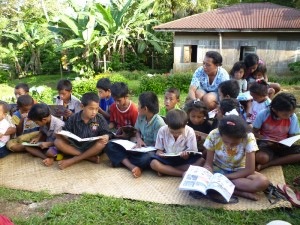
(201,81)
(106,103)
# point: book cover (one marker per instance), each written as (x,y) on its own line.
(130,146)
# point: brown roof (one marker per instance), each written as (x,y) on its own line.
(243,17)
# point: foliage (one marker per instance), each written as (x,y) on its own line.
(294,67)
(285,80)
(81,86)
(42,94)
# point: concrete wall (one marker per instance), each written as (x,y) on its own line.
(276,49)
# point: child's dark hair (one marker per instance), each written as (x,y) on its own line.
(5,106)
(236,67)
(283,102)
(216,57)
(64,85)
(228,104)
(233,126)
(119,90)
(24,100)
(38,112)
(176,119)
(260,87)
(251,60)
(89,97)
(104,84)
(23,86)
(230,88)
(196,105)
(174,91)
(149,99)
(261,68)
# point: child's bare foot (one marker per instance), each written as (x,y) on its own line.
(159,174)
(94,159)
(136,172)
(48,161)
(63,164)
(247,195)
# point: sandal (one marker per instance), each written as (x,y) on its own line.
(274,194)
(291,195)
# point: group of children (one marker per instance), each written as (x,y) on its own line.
(228,144)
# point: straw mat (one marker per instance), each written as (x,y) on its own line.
(22,171)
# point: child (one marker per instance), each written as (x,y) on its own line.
(231,151)
(26,128)
(21,89)
(238,72)
(171,101)
(198,120)
(49,125)
(147,126)
(85,123)
(260,74)
(4,125)
(277,122)
(123,112)
(104,92)
(175,137)
(259,92)
(65,98)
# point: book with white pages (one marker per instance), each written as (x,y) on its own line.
(202,180)
(288,141)
(75,137)
(130,146)
(31,144)
(173,154)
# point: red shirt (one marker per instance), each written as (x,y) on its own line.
(123,118)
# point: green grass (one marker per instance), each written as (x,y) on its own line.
(98,209)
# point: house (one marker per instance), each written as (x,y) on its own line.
(269,30)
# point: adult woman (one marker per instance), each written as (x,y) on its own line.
(252,61)
(206,79)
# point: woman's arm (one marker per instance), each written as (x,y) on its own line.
(248,170)
(192,92)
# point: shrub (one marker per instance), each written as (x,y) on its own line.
(42,94)
(156,83)
(181,81)
(81,86)
(294,67)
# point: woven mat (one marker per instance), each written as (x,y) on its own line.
(22,171)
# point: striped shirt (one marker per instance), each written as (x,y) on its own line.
(55,126)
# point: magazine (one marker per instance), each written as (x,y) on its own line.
(57,110)
(288,141)
(129,146)
(200,179)
(75,137)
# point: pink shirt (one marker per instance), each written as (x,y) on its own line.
(166,141)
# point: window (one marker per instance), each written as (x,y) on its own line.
(190,53)
(245,50)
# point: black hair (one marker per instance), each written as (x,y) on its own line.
(119,90)
(149,99)
(24,100)
(38,112)
(104,84)
(197,105)
(251,60)
(5,106)
(283,102)
(174,91)
(24,86)
(176,119)
(64,85)
(261,68)
(233,126)
(89,97)
(228,104)
(260,87)
(236,67)
(230,88)
(216,57)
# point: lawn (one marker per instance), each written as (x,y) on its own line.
(42,208)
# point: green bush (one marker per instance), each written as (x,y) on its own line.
(181,81)
(294,67)
(81,86)
(42,94)
(285,80)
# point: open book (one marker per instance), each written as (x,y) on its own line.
(200,179)
(172,154)
(129,146)
(31,144)
(288,141)
(75,137)
(57,110)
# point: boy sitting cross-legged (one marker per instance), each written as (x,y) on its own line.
(49,125)
(86,123)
